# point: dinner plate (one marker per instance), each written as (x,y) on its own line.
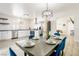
(50,42)
(27,44)
(36,38)
(58,38)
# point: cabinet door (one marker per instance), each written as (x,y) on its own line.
(4,35)
(14,34)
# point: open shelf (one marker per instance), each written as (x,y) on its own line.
(4,23)
(3,19)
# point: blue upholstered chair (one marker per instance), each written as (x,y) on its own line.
(56,52)
(60,47)
(57,33)
(0,50)
(11,52)
(32,34)
(63,44)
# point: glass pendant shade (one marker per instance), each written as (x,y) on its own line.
(47,12)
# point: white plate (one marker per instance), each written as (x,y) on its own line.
(58,38)
(29,46)
(35,38)
(26,43)
(55,37)
(50,42)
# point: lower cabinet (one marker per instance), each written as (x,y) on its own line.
(5,35)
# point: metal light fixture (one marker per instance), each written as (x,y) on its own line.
(47,12)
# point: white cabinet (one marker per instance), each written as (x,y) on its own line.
(14,34)
(5,35)
(23,33)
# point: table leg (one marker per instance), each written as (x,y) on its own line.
(25,54)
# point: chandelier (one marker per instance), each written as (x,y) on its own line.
(47,12)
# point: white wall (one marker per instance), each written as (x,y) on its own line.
(76,25)
(60,22)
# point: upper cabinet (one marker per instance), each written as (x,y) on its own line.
(4,21)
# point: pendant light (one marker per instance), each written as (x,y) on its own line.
(47,12)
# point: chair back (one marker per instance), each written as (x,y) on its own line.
(60,47)
(57,33)
(63,43)
(32,34)
(11,52)
(57,53)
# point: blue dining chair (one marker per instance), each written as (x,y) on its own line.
(63,45)
(56,52)
(57,33)
(59,48)
(0,50)
(11,52)
(32,34)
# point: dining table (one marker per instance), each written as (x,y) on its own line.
(41,48)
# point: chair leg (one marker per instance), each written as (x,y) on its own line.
(62,54)
(25,54)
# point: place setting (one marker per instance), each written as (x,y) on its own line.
(36,38)
(26,43)
(57,37)
(50,41)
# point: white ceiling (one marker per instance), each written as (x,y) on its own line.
(35,9)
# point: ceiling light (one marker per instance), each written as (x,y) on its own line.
(47,12)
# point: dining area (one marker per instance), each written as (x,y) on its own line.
(36,29)
(40,46)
